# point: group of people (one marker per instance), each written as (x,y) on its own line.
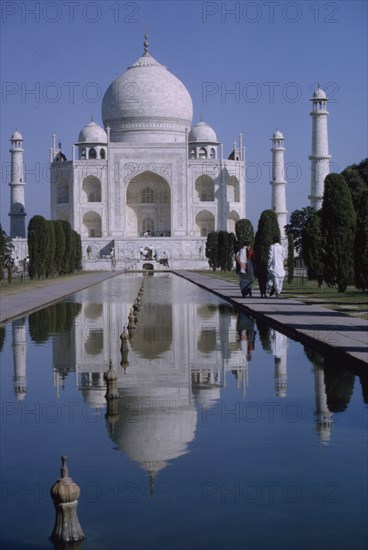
(15,265)
(150,253)
(272,280)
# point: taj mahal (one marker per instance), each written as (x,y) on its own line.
(150,179)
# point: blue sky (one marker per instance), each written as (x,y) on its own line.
(250,67)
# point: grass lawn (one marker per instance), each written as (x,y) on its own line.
(353,301)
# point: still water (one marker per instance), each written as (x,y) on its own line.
(226,436)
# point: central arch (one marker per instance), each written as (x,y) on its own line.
(148,206)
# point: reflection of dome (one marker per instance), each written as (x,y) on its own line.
(95,398)
(206,396)
(202,133)
(147,101)
(151,433)
(92,133)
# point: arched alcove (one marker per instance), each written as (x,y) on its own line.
(205,223)
(92,226)
(205,188)
(91,189)
(148,205)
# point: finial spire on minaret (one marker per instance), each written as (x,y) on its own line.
(145,43)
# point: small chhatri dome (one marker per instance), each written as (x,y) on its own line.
(319,94)
(92,133)
(278,135)
(147,103)
(202,133)
(16,136)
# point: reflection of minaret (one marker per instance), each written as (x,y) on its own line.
(19,357)
(320,159)
(17,212)
(323,416)
(278,181)
(279,350)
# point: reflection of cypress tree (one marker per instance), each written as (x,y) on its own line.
(39,326)
(315,358)
(264,332)
(60,320)
(2,337)
(55,319)
(339,383)
(364,383)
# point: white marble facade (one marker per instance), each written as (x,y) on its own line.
(148,178)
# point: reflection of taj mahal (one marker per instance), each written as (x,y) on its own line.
(177,360)
(172,368)
(148,171)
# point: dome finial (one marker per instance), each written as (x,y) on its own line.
(145,43)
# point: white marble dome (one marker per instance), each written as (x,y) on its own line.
(319,94)
(202,133)
(147,103)
(278,135)
(92,133)
(16,136)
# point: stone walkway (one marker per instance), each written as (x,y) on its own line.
(329,331)
(326,330)
(31,299)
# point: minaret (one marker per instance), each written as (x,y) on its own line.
(19,357)
(322,415)
(17,212)
(320,159)
(278,181)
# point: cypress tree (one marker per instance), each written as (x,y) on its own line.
(361,245)
(243,232)
(295,226)
(313,246)
(290,260)
(211,249)
(68,258)
(59,245)
(268,228)
(225,250)
(338,232)
(356,177)
(77,251)
(6,248)
(50,259)
(38,246)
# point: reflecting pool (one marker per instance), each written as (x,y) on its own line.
(226,435)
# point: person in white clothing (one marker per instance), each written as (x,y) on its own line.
(245,264)
(276,267)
